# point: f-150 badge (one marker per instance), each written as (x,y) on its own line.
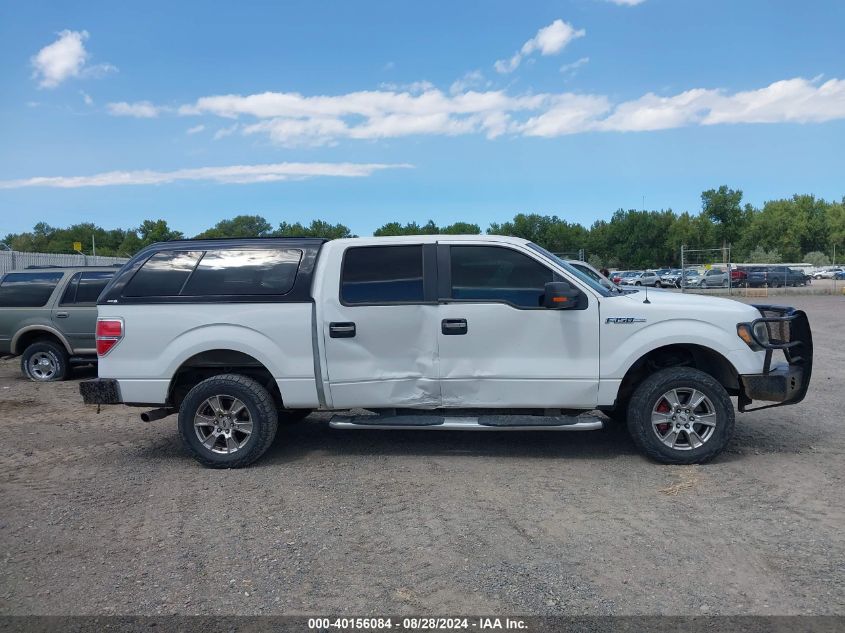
(621,320)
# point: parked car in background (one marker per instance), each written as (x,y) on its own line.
(617,276)
(739,277)
(671,278)
(839,275)
(691,278)
(715,278)
(775,276)
(829,273)
(48,317)
(645,278)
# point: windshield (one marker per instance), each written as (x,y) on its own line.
(592,283)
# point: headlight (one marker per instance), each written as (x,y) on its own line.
(756,335)
(761,332)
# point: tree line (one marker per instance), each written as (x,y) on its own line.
(800,228)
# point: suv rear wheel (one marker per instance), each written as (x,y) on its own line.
(228,421)
(681,415)
(45,361)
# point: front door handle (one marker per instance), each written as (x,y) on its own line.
(453,327)
(61,315)
(344,329)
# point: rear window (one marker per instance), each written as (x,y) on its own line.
(244,272)
(382,274)
(27,290)
(225,272)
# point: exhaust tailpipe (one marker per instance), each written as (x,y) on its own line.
(157,414)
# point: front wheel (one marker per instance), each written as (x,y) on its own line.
(681,415)
(228,421)
(657,284)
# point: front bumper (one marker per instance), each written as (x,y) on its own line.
(100,391)
(784,383)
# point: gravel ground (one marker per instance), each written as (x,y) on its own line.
(103,514)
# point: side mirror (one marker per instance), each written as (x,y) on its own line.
(560,295)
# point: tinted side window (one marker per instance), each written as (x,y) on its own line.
(382,274)
(90,286)
(245,272)
(494,273)
(28,290)
(163,274)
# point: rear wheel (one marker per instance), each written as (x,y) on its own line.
(657,284)
(228,421)
(45,361)
(681,415)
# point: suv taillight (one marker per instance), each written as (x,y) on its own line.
(109,333)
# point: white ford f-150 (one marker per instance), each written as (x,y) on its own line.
(428,332)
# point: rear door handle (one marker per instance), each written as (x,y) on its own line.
(61,315)
(344,329)
(453,327)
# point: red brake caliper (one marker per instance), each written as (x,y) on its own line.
(663,407)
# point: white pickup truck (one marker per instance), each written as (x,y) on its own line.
(428,332)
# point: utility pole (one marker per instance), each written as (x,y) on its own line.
(93,246)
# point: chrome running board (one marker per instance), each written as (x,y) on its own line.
(469,423)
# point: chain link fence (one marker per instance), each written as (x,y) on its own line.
(712,271)
(18,260)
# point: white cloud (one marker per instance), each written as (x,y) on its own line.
(572,67)
(792,100)
(627,3)
(472,80)
(549,40)
(86,98)
(235,174)
(226,131)
(292,119)
(195,130)
(60,60)
(139,109)
(65,58)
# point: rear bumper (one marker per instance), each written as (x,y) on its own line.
(100,391)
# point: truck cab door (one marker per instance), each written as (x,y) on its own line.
(379,319)
(498,347)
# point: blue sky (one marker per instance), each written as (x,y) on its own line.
(369,112)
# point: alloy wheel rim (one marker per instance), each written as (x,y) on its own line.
(684,419)
(42,366)
(223,424)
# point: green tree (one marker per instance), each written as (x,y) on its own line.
(317,228)
(549,231)
(724,208)
(152,231)
(817,259)
(761,256)
(239,226)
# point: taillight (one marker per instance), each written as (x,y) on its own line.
(109,333)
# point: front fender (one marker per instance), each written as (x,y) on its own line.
(623,345)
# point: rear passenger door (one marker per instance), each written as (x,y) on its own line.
(380,327)
(75,314)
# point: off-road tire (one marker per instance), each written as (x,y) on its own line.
(262,411)
(649,393)
(56,354)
